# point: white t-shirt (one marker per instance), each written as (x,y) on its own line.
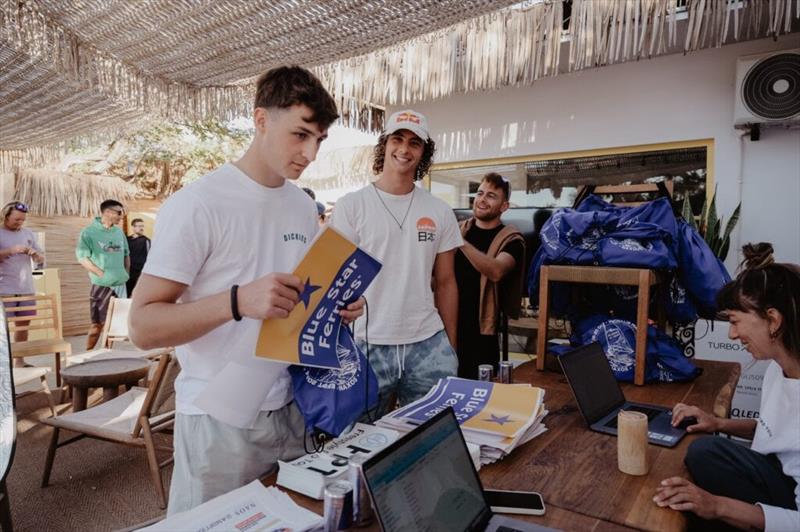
(221,230)
(400,299)
(778,432)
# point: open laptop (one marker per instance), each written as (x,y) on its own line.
(426,481)
(600,397)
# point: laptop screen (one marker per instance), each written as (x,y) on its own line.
(593,383)
(426,481)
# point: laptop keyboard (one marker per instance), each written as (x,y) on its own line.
(649,412)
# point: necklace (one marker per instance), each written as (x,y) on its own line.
(398,222)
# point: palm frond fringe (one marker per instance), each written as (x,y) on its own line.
(50,193)
(512,46)
(518,46)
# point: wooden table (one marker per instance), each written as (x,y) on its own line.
(108,374)
(575,469)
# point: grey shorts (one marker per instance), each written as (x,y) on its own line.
(99,296)
(213,458)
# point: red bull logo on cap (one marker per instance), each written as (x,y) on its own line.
(408,117)
(426,229)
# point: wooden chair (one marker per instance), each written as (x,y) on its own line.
(130,419)
(115,329)
(641,278)
(23,376)
(47,320)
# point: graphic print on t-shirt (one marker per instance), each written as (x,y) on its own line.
(110,246)
(426,229)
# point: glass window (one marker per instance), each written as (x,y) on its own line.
(543,182)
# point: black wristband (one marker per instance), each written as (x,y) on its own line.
(235,303)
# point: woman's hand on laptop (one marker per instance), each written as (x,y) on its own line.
(705,422)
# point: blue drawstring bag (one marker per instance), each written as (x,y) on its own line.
(680,308)
(664,359)
(331,400)
(700,271)
(643,237)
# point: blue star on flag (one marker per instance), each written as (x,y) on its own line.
(500,420)
(308,289)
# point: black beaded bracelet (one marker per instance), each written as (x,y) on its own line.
(235,303)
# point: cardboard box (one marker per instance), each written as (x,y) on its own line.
(711,342)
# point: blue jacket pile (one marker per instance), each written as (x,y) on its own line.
(647,236)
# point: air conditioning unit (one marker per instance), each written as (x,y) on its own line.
(768,90)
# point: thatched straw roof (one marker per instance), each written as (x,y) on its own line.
(83,67)
(341,168)
(50,193)
(75,68)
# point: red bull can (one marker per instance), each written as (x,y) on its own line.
(485,372)
(338,506)
(362,507)
(506,372)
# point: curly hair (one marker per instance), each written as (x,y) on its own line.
(425,161)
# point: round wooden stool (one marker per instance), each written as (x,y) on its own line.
(108,374)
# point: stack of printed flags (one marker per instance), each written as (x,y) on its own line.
(497,417)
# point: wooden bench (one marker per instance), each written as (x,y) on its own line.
(46,319)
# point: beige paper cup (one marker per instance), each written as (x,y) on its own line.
(632,442)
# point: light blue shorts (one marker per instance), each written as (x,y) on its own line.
(407,372)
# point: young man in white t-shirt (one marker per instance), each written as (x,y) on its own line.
(411,327)
(216,269)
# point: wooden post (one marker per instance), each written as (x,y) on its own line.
(544,303)
(643,304)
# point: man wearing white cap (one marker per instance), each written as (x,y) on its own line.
(411,326)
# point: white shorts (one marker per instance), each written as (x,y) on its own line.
(213,458)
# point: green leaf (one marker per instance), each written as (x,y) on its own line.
(711,217)
(732,223)
(723,252)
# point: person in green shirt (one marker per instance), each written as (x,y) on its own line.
(103,250)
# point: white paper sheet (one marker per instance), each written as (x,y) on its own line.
(251,508)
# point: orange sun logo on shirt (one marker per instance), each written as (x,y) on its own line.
(426,229)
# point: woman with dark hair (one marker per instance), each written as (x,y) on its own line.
(756,487)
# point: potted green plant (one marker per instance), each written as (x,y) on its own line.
(710,225)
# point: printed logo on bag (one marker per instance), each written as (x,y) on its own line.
(619,351)
(426,230)
(631,244)
(551,232)
(340,380)
(626,293)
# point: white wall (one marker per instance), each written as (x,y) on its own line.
(665,99)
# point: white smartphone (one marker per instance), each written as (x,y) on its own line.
(515,502)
